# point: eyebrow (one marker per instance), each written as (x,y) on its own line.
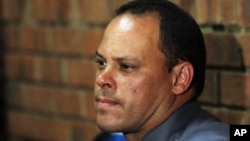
(125,58)
(99,55)
(118,59)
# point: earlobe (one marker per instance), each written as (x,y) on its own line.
(183,76)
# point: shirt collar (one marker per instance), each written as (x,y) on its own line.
(175,123)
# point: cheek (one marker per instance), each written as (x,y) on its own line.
(137,93)
(132,87)
(139,104)
(145,91)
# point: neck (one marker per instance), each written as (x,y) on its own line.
(158,118)
(133,137)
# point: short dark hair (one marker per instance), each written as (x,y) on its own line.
(180,36)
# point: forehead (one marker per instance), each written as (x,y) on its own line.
(128,32)
(129,22)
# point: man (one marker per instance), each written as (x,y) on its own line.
(151,68)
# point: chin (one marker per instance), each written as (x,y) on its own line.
(109,125)
(109,128)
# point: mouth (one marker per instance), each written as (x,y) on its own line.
(105,103)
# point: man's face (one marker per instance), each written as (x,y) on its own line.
(133,84)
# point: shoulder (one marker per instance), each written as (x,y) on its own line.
(206,127)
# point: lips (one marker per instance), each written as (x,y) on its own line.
(104,102)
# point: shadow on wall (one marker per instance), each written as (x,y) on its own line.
(3,107)
(226,80)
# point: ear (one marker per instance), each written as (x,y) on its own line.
(182,77)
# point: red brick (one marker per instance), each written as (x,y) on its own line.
(48,69)
(13,95)
(246,118)
(210,93)
(41,40)
(45,10)
(229,11)
(64,41)
(37,98)
(12,66)
(244,15)
(53,11)
(11,37)
(28,38)
(55,47)
(234,89)
(87,106)
(90,41)
(202,11)
(189,6)
(228,115)
(68,102)
(38,128)
(81,73)
(95,11)
(115,4)
(75,103)
(223,50)
(11,9)
(247,91)
(19,67)
(211,11)
(214,16)
(196,8)
(65,10)
(27,67)
(243,40)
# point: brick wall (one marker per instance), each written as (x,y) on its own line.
(47,70)
(225,25)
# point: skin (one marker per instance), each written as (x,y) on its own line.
(134,90)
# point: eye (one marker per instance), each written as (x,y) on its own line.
(101,64)
(126,67)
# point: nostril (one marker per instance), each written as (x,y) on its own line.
(106,86)
(105,80)
(100,81)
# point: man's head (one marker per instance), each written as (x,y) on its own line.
(180,36)
(144,74)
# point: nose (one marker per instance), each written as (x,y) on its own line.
(105,79)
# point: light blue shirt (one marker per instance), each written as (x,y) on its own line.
(190,123)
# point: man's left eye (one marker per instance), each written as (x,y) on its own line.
(127,67)
(101,64)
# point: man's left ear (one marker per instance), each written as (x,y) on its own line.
(182,77)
